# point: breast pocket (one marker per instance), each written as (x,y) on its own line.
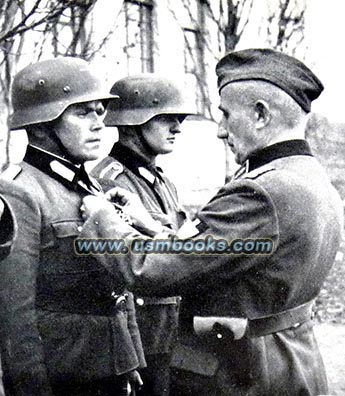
(65,273)
(58,253)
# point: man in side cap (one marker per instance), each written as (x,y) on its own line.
(248,329)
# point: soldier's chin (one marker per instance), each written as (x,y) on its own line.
(166,150)
(87,157)
(93,156)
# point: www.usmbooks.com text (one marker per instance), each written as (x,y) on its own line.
(173,245)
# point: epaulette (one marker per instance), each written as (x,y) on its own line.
(11,172)
(108,168)
(258,172)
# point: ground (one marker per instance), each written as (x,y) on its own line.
(330,324)
(331,340)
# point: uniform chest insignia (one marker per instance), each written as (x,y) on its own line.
(258,172)
(11,172)
(62,170)
(111,171)
(146,174)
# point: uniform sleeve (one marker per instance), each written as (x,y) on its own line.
(22,350)
(134,330)
(243,211)
(8,228)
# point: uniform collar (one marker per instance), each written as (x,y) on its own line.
(72,175)
(276,151)
(135,163)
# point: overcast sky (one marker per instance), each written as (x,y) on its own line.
(325,34)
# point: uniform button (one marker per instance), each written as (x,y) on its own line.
(140,301)
(219,336)
(79,228)
(96,222)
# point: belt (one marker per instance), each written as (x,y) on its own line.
(109,307)
(157,300)
(236,328)
(280,321)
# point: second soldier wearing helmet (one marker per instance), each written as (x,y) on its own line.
(68,328)
(148,115)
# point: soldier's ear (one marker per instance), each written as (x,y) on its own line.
(262,114)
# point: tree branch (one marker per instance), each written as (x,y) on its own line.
(22,28)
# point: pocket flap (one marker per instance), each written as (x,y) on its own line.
(66,228)
(194,360)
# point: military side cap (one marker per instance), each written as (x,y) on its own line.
(277,68)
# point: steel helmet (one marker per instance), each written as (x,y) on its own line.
(41,92)
(144,96)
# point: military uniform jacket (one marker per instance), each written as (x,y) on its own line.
(60,320)
(157,317)
(284,195)
(8,231)
(8,224)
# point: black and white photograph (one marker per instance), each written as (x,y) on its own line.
(172,198)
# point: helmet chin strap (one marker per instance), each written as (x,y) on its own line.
(150,155)
(62,149)
(139,145)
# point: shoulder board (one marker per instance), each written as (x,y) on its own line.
(11,172)
(108,168)
(258,172)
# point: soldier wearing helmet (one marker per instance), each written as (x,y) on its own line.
(69,328)
(148,115)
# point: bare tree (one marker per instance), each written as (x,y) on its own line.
(285,26)
(44,16)
(238,17)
